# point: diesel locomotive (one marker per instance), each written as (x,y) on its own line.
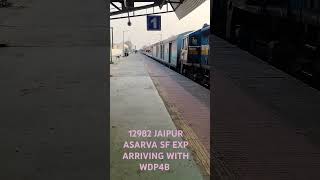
(186,53)
(285,33)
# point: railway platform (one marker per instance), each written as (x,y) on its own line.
(265,122)
(53,106)
(138,102)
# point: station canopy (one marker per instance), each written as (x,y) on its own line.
(133,8)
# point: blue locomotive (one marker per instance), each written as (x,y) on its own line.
(186,53)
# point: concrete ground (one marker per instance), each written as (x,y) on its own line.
(53,95)
(264,121)
(136,104)
(191,100)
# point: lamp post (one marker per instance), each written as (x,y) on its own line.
(111,43)
(123,41)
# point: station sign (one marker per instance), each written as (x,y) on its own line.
(154,23)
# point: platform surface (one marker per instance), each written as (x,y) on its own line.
(188,97)
(53,106)
(136,104)
(265,122)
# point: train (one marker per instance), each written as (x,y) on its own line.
(284,33)
(187,53)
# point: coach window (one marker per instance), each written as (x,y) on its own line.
(157,50)
(182,43)
(162,51)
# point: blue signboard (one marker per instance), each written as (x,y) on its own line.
(154,23)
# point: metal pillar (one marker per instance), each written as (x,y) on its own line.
(111,43)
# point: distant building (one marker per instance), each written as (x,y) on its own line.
(127,45)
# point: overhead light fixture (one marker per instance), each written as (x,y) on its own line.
(128,3)
(129,22)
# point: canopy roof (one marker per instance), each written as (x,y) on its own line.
(128,8)
(187,7)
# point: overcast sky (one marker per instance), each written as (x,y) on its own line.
(171,25)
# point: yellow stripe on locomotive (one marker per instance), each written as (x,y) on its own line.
(205,50)
(193,51)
